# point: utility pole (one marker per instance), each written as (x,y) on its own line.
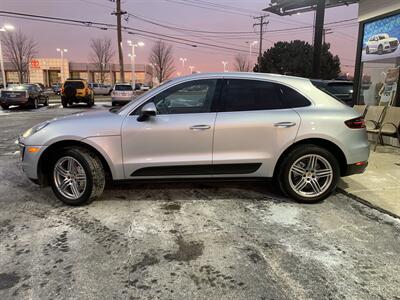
(261,24)
(118,13)
(318,36)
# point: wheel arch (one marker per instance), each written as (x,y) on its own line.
(47,155)
(326,144)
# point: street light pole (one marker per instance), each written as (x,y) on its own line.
(251,44)
(62,62)
(133,45)
(191,69)
(3,71)
(224,63)
(183,60)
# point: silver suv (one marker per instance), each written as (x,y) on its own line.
(204,126)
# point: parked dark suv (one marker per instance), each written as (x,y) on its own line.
(341,89)
(76,91)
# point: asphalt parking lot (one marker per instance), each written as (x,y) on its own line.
(185,241)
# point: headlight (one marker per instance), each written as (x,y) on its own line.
(35,129)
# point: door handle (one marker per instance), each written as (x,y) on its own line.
(200,127)
(284,124)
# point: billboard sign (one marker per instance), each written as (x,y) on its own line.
(381,39)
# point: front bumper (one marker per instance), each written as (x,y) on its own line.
(30,160)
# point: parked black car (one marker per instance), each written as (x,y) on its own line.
(30,95)
(340,89)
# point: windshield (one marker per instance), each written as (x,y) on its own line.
(123,87)
(22,87)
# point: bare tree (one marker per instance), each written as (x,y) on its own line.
(161,57)
(242,64)
(102,53)
(19,49)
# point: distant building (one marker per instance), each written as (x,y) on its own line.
(48,71)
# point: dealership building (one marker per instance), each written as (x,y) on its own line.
(49,71)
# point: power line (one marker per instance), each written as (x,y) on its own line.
(130,30)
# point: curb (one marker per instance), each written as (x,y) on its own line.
(367,203)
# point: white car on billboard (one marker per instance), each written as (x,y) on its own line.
(381,43)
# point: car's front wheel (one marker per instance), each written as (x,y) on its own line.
(380,49)
(309,173)
(77,176)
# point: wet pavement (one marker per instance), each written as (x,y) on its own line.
(186,241)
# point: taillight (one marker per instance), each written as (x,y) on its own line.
(355,123)
(62,90)
(87,91)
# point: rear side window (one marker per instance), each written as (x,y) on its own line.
(123,87)
(291,98)
(247,95)
(74,84)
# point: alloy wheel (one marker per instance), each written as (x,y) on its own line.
(70,178)
(311,175)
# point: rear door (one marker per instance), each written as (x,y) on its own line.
(251,129)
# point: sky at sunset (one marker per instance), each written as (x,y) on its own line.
(182,14)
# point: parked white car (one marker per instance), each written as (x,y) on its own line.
(122,93)
(100,89)
(381,43)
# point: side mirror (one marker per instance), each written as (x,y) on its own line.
(147,111)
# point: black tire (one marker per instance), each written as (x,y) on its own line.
(5,107)
(367,50)
(380,49)
(35,103)
(46,102)
(90,102)
(64,102)
(113,103)
(95,176)
(283,175)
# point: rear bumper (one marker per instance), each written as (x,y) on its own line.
(121,99)
(9,101)
(357,168)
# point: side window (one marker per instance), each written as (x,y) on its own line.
(247,95)
(292,98)
(189,97)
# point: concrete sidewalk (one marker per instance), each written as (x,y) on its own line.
(379,186)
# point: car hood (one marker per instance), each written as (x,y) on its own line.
(77,127)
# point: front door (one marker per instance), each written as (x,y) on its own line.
(178,140)
(251,128)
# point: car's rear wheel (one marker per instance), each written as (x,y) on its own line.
(64,102)
(77,176)
(309,173)
(5,107)
(35,103)
(46,102)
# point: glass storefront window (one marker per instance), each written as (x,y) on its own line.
(380,62)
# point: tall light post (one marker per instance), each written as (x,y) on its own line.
(251,44)
(191,69)
(183,60)
(133,55)
(62,51)
(6,27)
(153,74)
(224,63)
